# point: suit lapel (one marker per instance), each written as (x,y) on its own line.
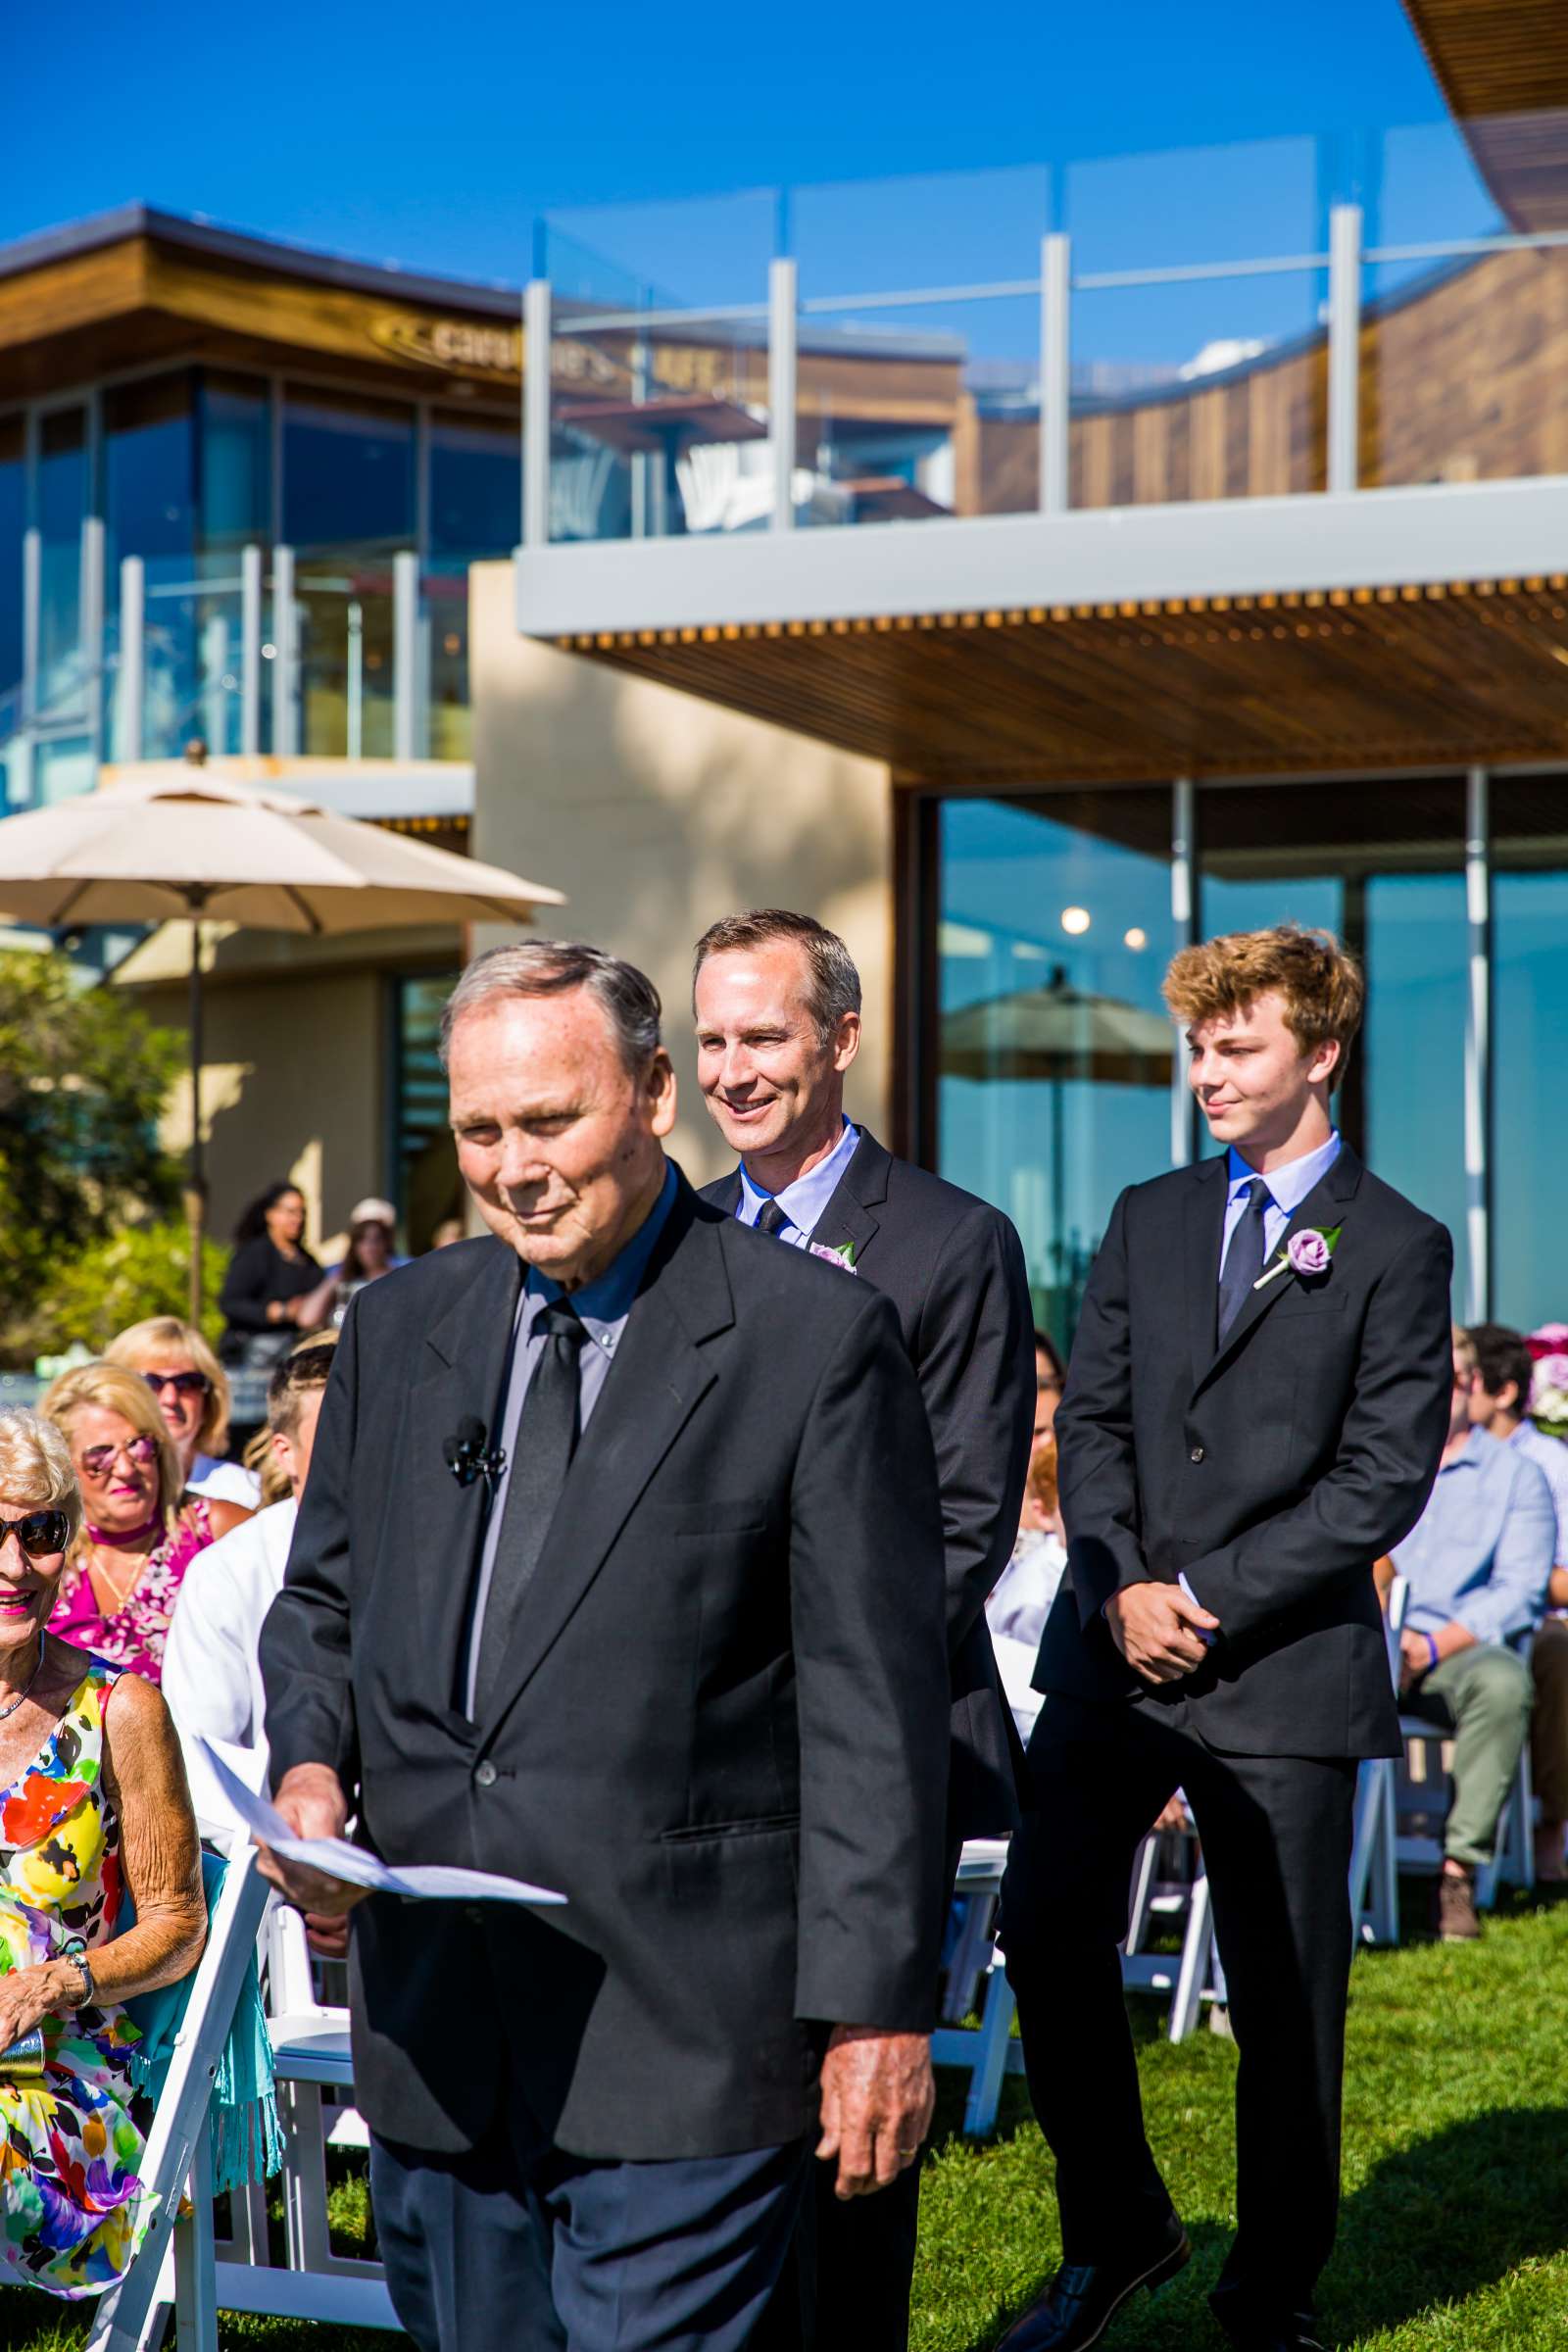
(726,1195)
(1204,1223)
(464,1358)
(1325,1204)
(851,1213)
(654,1384)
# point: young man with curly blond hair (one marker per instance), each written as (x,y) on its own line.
(1256,1402)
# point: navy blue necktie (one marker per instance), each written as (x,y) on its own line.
(547,1429)
(1244,1259)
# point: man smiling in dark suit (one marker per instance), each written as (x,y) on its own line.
(1256,1401)
(671,1642)
(777,1000)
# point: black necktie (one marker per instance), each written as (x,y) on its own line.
(772,1220)
(1244,1259)
(547,1429)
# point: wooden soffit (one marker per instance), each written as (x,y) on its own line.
(1502,66)
(1315,681)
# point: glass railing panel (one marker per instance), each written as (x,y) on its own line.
(917,411)
(1205,388)
(345,637)
(192,661)
(445,626)
(1230,201)
(1461,367)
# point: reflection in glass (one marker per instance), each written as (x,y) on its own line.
(1529,1026)
(235,451)
(451,718)
(426,1188)
(1054,1048)
(1416,947)
(344,619)
(63,469)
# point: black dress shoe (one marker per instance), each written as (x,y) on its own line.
(1249,2332)
(1084,2297)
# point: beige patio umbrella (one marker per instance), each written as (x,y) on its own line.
(175,839)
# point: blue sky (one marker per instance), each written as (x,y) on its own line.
(435,137)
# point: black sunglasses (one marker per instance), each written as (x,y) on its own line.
(39,1534)
(187,1384)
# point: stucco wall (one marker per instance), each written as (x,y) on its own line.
(658,813)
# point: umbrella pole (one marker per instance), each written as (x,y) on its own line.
(196,1180)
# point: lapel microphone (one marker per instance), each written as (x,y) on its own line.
(469,1455)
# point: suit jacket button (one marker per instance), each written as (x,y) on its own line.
(1195,1456)
(485,1773)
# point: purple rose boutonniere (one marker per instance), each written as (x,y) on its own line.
(1308,1254)
(841,1254)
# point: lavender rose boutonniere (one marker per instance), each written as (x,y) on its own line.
(1308,1254)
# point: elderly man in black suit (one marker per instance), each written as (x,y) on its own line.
(777,1004)
(619,1569)
(1256,1401)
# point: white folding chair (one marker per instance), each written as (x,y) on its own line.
(987,2052)
(1193,1976)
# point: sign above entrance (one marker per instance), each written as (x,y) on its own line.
(460,346)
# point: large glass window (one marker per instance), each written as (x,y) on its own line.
(13,524)
(475,488)
(63,488)
(1055,1050)
(348,473)
(1529,1028)
(235,453)
(1380,864)
(150,511)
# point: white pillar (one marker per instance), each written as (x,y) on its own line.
(1184,931)
(130,676)
(536,341)
(1055,370)
(783,299)
(250,651)
(1478,1044)
(405,654)
(1345,346)
(285,657)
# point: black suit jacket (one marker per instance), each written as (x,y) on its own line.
(721,1725)
(1270,1472)
(954,1268)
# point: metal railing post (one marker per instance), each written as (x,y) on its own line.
(285,657)
(91,593)
(783,299)
(250,651)
(130,676)
(1345,347)
(1055,369)
(405,654)
(536,338)
(1478,1044)
(1184,931)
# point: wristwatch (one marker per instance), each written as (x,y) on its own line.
(77,1953)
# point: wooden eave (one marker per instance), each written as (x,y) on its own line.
(1317,681)
(1503,68)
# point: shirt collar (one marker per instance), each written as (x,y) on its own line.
(804,1200)
(608,1299)
(1477,1451)
(1289,1186)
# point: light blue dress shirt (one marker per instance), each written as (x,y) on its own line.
(1551,1456)
(604,1304)
(1287,1187)
(1482,1550)
(804,1200)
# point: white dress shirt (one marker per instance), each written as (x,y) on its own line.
(223,1481)
(804,1200)
(212,1670)
(1287,1187)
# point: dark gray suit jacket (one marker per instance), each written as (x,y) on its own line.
(954,1268)
(721,1731)
(1272,1471)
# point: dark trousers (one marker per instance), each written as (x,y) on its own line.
(847,2285)
(1276,1832)
(559,2254)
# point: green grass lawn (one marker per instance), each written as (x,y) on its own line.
(1454,2230)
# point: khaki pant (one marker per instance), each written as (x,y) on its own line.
(1482,1696)
(1549,1722)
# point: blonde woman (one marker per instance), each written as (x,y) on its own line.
(194,1396)
(92,1800)
(141,1528)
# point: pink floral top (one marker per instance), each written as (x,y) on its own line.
(135,1635)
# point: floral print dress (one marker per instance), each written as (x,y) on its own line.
(73,2210)
(136,1634)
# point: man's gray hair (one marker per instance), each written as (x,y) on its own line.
(833,985)
(552,967)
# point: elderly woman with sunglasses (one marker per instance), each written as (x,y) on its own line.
(93,1806)
(194,1395)
(142,1528)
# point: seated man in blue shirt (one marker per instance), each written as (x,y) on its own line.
(1477,1561)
